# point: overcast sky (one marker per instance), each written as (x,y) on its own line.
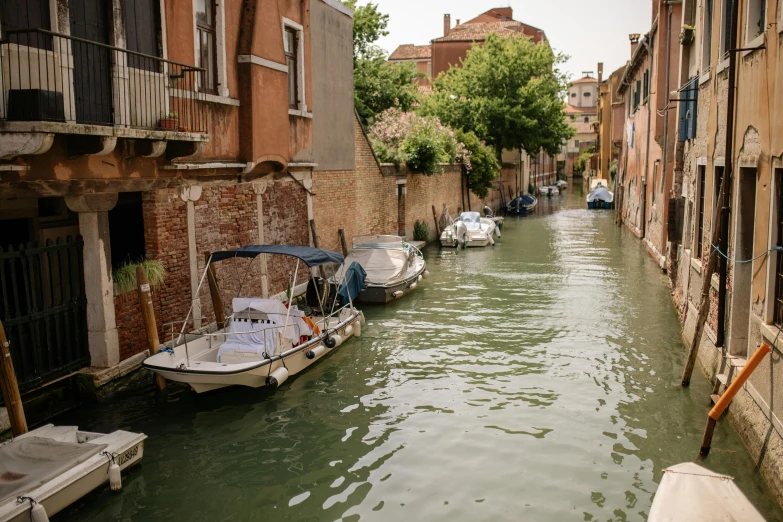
(590,31)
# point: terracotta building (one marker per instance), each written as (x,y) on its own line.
(143,129)
(582,113)
(610,124)
(685,131)
(421,55)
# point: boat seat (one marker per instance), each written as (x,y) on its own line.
(240,357)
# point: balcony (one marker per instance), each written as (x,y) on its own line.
(55,83)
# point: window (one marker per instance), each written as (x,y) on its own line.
(757,19)
(646,86)
(778,317)
(205,45)
(706,37)
(636,95)
(291,48)
(26,14)
(725,28)
(587,94)
(142,28)
(689,93)
(126,230)
(587,119)
(698,240)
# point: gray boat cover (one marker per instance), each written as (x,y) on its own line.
(28,462)
(600,194)
(382,265)
(691,492)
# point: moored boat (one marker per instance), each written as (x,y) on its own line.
(548,191)
(46,470)
(561,184)
(265,341)
(690,492)
(470,230)
(393,267)
(522,205)
(600,198)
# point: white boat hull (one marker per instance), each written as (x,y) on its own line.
(68,487)
(192,365)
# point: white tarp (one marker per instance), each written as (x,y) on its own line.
(690,492)
(256,336)
(382,265)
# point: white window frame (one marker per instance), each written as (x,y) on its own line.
(706,36)
(723,48)
(772,259)
(220,44)
(751,13)
(300,60)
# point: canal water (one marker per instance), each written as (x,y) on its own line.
(536,380)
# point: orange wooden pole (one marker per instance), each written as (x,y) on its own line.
(729,394)
(148,314)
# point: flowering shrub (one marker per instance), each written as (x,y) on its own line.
(419,143)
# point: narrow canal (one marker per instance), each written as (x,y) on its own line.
(536,380)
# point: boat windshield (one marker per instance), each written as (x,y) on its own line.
(470,217)
(378,241)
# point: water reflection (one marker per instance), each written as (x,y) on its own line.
(536,380)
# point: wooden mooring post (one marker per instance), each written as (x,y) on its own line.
(435,218)
(729,394)
(10,388)
(148,314)
(214,293)
(341,234)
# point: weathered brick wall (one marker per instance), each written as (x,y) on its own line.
(360,201)
(166,240)
(425,191)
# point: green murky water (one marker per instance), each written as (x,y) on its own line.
(536,380)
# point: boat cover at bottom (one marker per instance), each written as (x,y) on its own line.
(27,463)
(381,265)
(691,492)
(600,194)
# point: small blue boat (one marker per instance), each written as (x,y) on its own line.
(521,205)
(600,198)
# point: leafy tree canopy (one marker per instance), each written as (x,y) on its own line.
(508,91)
(378,84)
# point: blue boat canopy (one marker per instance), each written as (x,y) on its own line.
(600,194)
(311,256)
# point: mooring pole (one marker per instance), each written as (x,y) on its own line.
(10,388)
(214,293)
(148,314)
(435,218)
(729,394)
(341,234)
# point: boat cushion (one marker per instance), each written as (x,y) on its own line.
(28,462)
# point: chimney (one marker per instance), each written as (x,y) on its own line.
(634,38)
(600,71)
(446,24)
(457,22)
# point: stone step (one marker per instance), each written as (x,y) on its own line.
(723,378)
(714,398)
(736,361)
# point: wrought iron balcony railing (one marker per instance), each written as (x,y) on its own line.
(47,76)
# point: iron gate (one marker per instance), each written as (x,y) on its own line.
(43,309)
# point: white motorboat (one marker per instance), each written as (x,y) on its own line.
(393,267)
(691,492)
(46,470)
(561,184)
(548,190)
(470,230)
(265,341)
(600,198)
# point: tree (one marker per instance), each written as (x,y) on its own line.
(378,84)
(508,91)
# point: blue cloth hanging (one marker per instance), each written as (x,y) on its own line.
(353,284)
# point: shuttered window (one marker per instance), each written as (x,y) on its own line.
(142,27)
(291,52)
(26,14)
(698,243)
(779,263)
(688,106)
(207,52)
(646,86)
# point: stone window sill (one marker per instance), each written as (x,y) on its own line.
(704,78)
(770,332)
(722,66)
(696,265)
(300,114)
(754,44)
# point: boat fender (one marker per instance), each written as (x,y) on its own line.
(362,320)
(426,274)
(348,331)
(333,341)
(277,377)
(419,278)
(115,477)
(397,294)
(357,329)
(316,352)
(491,241)
(38,512)
(412,286)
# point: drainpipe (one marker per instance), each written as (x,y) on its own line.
(647,42)
(727,175)
(666,110)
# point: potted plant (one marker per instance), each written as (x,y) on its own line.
(687,35)
(169,121)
